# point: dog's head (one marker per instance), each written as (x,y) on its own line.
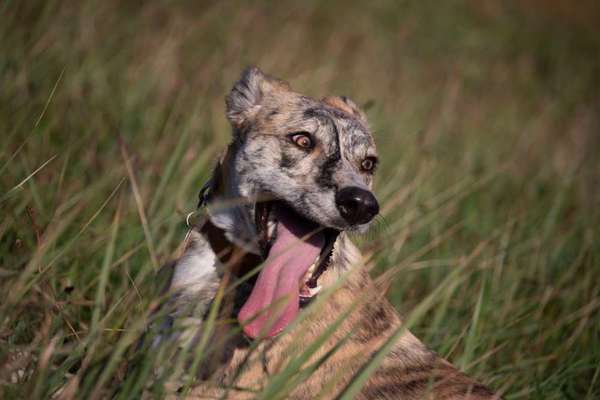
(318,157)
(307,166)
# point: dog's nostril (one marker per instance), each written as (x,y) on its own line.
(356,205)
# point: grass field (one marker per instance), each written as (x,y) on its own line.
(487,118)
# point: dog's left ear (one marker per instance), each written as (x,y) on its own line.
(346,105)
(249,94)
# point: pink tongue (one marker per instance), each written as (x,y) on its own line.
(274,300)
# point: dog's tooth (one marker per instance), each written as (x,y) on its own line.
(308,272)
(271,225)
(314,291)
(312,267)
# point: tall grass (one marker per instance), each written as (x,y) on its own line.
(486,117)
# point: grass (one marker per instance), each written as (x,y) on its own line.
(486,116)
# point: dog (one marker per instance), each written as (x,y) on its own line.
(295,180)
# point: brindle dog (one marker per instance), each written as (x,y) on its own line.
(294,181)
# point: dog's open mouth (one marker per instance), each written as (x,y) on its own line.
(296,251)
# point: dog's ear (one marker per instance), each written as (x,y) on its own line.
(346,105)
(249,94)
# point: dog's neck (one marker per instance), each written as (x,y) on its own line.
(228,208)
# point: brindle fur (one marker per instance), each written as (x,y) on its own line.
(260,161)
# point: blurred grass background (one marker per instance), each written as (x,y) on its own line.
(487,119)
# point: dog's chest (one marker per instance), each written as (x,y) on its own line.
(197,271)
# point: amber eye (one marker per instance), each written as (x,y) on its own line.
(368,164)
(302,140)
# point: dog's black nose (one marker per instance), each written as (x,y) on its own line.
(357,206)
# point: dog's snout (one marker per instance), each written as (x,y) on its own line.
(357,206)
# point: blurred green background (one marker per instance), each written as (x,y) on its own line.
(487,120)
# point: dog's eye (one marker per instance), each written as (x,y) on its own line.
(302,140)
(368,164)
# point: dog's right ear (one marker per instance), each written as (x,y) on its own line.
(248,95)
